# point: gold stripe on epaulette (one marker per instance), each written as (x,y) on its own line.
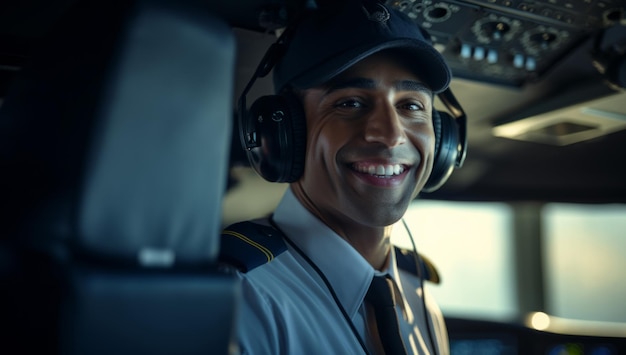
(264,250)
(433,273)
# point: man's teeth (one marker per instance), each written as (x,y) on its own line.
(380,170)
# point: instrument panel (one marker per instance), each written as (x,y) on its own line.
(510,42)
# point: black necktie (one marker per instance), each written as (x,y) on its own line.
(380,297)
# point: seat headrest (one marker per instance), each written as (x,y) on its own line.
(115,140)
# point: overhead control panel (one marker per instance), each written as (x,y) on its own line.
(509,41)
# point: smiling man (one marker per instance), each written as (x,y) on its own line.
(369,151)
(363,78)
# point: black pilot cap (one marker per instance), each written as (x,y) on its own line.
(332,39)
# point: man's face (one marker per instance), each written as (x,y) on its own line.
(370,143)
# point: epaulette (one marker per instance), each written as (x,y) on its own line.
(247,245)
(406,261)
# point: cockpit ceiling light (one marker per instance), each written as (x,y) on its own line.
(572,124)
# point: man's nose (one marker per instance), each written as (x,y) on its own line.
(385,126)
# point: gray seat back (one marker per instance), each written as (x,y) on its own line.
(114,152)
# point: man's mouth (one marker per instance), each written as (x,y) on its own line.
(379,170)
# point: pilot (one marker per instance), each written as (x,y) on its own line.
(362,76)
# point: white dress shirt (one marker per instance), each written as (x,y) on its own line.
(287,307)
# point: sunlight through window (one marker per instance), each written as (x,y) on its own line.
(585,261)
(470,244)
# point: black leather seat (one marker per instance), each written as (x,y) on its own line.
(113,157)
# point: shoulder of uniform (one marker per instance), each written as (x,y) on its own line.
(247,245)
(406,261)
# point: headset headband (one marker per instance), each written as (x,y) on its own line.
(270,58)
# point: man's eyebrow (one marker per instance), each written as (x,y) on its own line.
(412,85)
(356,83)
(366,83)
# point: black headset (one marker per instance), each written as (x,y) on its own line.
(273,130)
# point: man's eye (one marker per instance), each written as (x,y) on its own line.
(351,103)
(413,106)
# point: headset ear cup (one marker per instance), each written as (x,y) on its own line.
(446,150)
(280,136)
(298,146)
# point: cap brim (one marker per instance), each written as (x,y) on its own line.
(426,63)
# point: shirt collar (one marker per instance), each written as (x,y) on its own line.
(348,273)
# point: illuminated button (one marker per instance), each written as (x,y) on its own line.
(479,53)
(466,51)
(531,64)
(492,56)
(518,61)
